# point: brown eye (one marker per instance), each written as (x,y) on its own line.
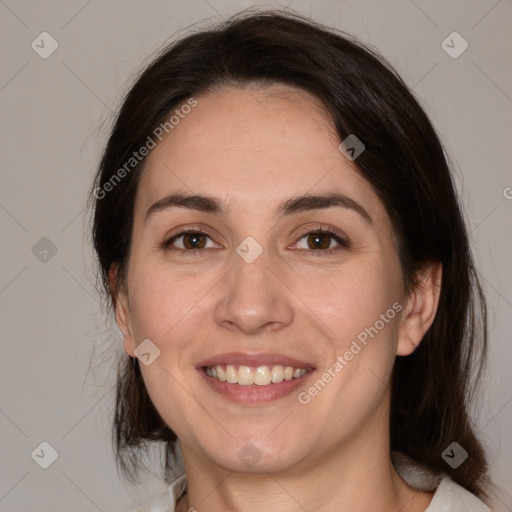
(319,241)
(194,241)
(189,241)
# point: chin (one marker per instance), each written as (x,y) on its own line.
(256,454)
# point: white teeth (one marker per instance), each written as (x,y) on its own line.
(288,373)
(261,376)
(231,374)
(277,374)
(221,374)
(245,376)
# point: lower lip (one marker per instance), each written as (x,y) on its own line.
(254,394)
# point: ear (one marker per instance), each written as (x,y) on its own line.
(420,309)
(122,309)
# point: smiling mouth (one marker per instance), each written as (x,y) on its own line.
(261,375)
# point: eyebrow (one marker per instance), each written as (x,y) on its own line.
(296,204)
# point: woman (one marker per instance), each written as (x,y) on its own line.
(278,232)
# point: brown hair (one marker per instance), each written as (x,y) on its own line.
(405,164)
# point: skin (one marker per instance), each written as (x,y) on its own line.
(252,148)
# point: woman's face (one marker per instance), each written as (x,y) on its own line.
(257,285)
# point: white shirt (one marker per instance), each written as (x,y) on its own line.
(448,496)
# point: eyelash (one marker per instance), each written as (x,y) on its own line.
(342,241)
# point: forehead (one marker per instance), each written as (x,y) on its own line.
(251,145)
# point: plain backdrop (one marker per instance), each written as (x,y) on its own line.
(57,347)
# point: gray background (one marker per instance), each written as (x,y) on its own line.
(57,350)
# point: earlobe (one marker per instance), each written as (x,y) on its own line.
(122,311)
(420,310)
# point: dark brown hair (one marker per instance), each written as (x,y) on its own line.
(405,164)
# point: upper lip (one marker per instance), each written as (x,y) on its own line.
(253,359)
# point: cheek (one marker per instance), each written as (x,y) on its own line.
(169,309)
(361,305)
(356,300)
(164,302)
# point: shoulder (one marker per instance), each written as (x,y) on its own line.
(166,501)
(448,496)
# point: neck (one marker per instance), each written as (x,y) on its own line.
(355,475)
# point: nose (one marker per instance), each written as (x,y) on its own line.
(253,299)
